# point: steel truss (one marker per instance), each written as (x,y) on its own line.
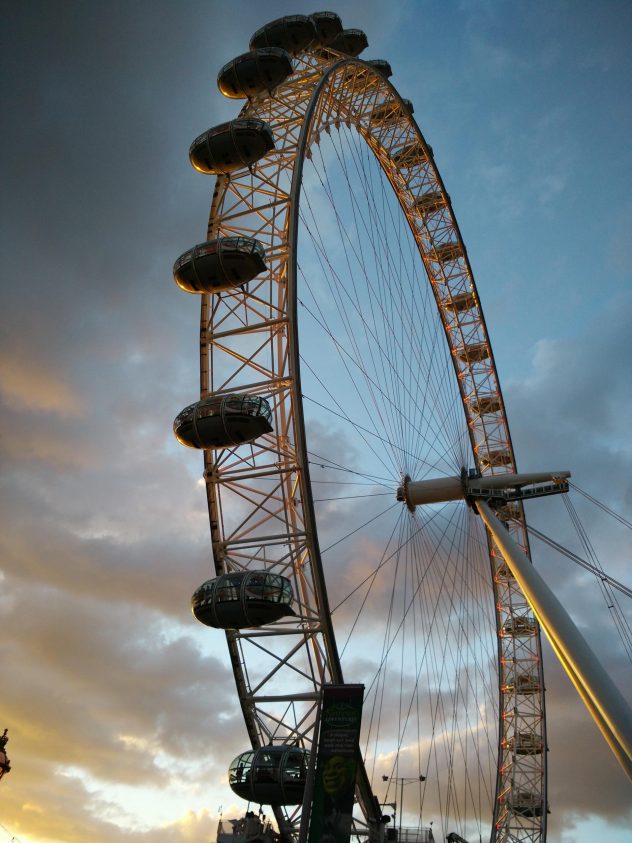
(260,497)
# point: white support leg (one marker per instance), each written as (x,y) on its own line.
(614,717)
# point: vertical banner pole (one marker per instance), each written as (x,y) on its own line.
(311,778)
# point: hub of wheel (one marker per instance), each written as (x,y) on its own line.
(497,489)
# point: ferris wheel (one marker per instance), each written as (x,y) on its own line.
(343,351)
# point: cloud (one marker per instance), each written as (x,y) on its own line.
(569,409)
(122,711)
(28,388)
(603,789)
(113,694)
(572,403)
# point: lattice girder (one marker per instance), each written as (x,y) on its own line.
(259,495)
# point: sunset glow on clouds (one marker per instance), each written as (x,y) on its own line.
(121,710)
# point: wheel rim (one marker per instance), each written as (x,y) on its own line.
(260,497)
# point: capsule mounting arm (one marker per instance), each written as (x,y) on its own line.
(497,487)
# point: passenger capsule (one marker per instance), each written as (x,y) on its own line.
(272,775)
(238,143)
(524,803)
(461,302)
(524,743)
(524,683)
(222,421)
(327,25)
(382,66)
(292,33)
(351,42)
(519,626)
(485,404)
(242,599)
(496,458)
(448,252)
(503,573)
(475,353)
(219,265)
(254,72)
(412,154)
(430,202)
(390,112)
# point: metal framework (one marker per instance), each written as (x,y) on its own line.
(260,497)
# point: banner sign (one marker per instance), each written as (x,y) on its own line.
(336,763)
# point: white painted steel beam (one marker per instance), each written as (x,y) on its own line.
(510,481)
(614,717)
(443,489)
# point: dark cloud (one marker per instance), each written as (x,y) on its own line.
(118,669)
(112,692)
(575,742)
(570,410)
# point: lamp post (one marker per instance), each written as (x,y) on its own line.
(402,780)
(392,805)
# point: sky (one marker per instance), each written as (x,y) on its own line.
(122,717)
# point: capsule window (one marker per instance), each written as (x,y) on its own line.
(274,589)
(255,586)
(294,767)
(228,588)
(240,768)
(208,593)
(209,408)
(267,767)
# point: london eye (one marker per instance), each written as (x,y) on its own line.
(344,362)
